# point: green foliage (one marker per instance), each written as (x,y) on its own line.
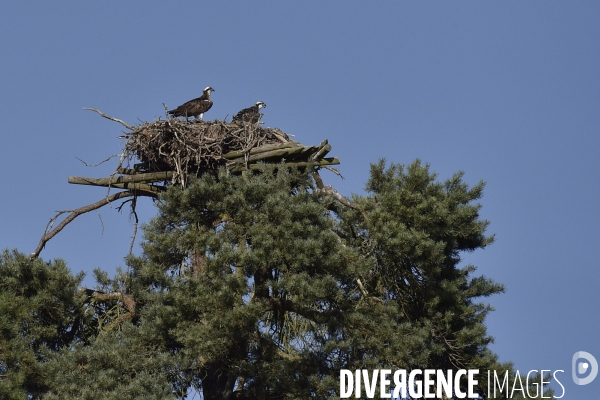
(257,279)
(262,286)
(114,366)
(414,233)
(38,315)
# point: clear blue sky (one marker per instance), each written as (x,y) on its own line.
(507,91)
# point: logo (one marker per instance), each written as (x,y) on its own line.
(582,367)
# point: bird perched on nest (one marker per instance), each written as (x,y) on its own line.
(250,114)
(196,107)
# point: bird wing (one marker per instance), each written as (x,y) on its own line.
(247,113)
(202,106)
(192,108)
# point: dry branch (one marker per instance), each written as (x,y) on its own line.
(318,180)
(107,182)
(287,153)
(138,187)
(300,164)
(148,177)
(329,191)
(50,233)
(240,153)
(109,117)
(324,148)
(101,162)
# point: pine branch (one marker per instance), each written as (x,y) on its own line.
(126,299)
(279,304)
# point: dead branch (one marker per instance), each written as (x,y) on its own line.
(329,191)
(362,288)
(236,154)
(148,177)
(318,180)
(126,125)
(324,148)
(50,233)
(116,171)
(300,164)
(121,185)
(334,170)
(135,226)
(101,162)
(101,223)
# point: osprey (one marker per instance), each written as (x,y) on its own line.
(196,107)
(250,114)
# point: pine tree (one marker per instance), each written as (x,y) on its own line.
(38,316)
(266,285)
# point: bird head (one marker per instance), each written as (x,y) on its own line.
(260,104)
(208,89)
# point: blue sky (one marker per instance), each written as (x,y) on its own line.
(507,92)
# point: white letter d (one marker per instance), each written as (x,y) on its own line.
(346,391)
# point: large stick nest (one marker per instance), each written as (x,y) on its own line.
(197,146)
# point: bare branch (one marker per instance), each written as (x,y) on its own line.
(147,177)
(362,288)
(329,191)
(119,208)
(334,170)
(121,159)
(135,226)
(50,233)
(126,125)
(324,148)
(101,162)
(101,223)
(318,179)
